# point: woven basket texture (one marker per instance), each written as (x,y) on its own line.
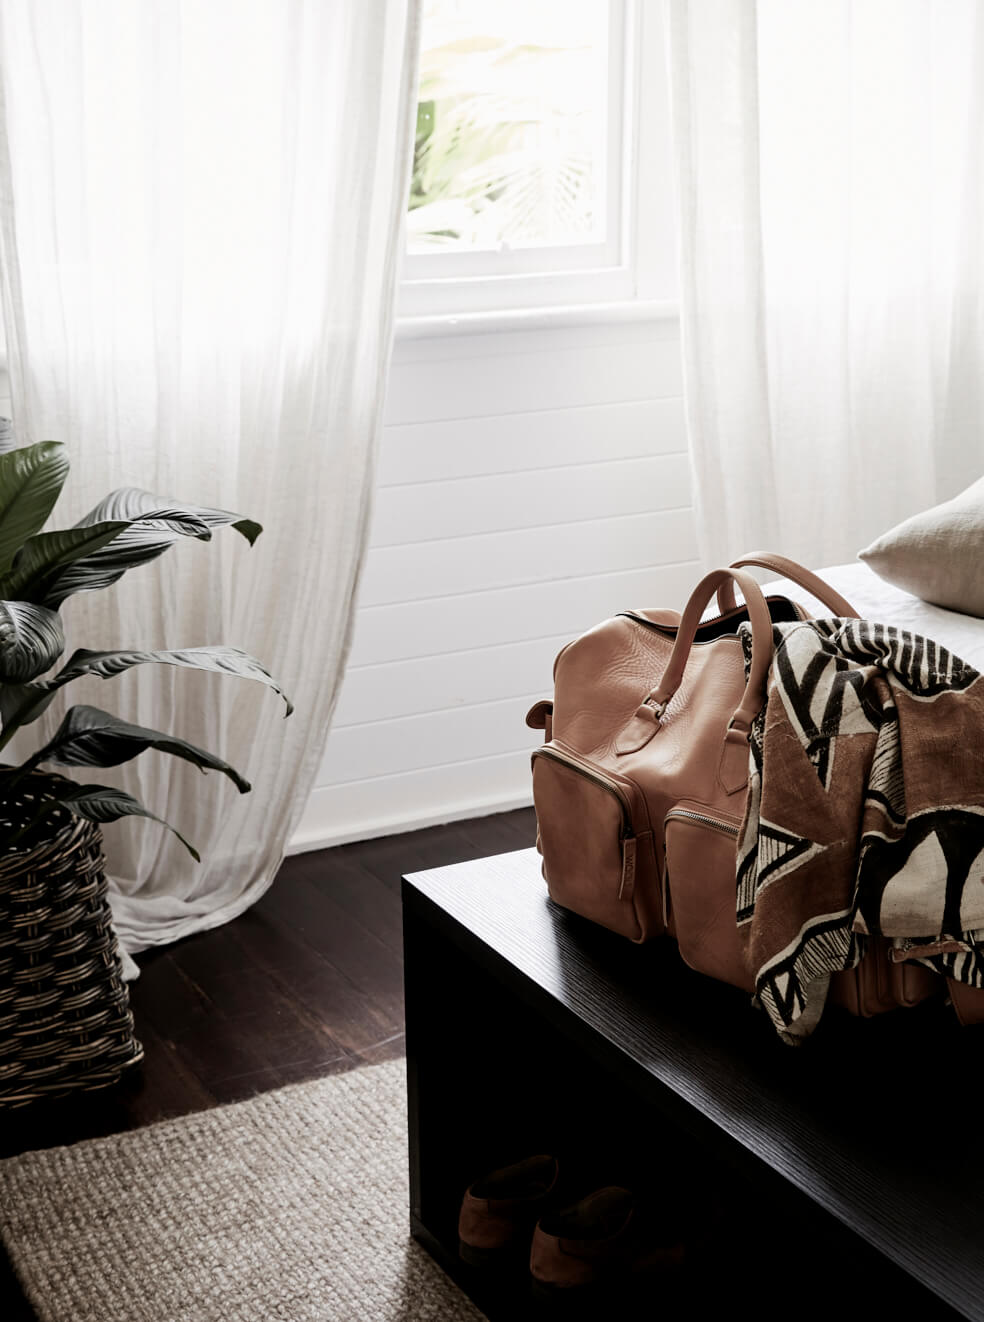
(65,1018)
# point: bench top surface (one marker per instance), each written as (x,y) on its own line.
(877,1121)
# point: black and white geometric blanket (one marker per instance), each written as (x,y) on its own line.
(865,812)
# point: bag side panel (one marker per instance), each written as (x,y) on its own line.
(700,882)
(588,865)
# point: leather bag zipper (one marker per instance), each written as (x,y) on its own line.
(669,631)
(703,820)
(627,837)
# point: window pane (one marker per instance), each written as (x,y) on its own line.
(512,125)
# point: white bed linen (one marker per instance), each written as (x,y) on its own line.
(874,599)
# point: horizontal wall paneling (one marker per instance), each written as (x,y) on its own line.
(489,619)
(443,738)
(499,502)
(362,809)
(507,559)
(391,689)
(530,483)
(545,377)
(549,438)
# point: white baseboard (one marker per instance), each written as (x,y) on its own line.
(324,835)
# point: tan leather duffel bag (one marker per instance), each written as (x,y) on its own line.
(640,834)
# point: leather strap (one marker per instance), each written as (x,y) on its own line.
(761,620)
(795,573)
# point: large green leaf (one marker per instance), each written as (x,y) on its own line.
(130,527)
(22,703)
(96,803)
(146,528)
(88,737)
(30,483)
(103,803)
(44,557)
(133,503)
(31,641)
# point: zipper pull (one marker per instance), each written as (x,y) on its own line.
(628,868)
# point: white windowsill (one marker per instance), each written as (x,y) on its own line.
(520,319)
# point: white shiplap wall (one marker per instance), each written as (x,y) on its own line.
(531,482)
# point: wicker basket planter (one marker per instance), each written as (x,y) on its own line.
(65,1019)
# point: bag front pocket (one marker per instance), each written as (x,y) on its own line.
(595,863)
(700,891)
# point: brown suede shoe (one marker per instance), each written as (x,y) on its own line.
(605,1241)
(499,1211)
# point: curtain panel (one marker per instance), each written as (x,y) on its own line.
(201,224)
(830,172)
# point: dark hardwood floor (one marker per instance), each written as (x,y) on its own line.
(308,981)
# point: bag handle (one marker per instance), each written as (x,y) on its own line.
(761,621)
(795,573)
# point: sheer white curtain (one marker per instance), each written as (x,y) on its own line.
(202,206)
(831,182)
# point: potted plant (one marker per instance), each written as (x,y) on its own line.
(64,1012)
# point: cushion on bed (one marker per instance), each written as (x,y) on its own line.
(937,555)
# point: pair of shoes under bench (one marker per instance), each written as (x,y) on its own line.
(605,1238)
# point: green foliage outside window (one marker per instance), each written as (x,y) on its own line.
(508,125)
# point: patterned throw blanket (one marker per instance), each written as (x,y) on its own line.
(865,813)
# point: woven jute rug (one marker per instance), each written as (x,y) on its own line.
(290,1206)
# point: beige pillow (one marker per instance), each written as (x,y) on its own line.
(937,555)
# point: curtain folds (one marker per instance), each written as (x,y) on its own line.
(201,224)
(830,170)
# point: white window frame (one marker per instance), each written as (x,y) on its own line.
(632,274)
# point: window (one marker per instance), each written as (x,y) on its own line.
(526,173)
(512,128)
